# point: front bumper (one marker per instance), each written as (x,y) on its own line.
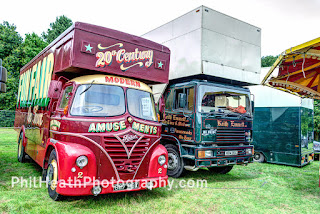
(75,188)
(221,158)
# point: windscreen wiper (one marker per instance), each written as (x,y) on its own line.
(87,88)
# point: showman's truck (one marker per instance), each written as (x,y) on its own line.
(86,115)
(208,111)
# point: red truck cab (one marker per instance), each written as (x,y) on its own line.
(86,114)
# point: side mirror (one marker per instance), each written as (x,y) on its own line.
(54,89)
(252,106)
(3,78)
(161,104)
(182,100)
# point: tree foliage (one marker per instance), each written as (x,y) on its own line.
(56,28)
(17,52)
(316,119)
(9,39)
(20,56)
(267,61)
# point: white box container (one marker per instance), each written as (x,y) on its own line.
(207,42)
(271,97)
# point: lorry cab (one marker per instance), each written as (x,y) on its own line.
(106,96)
(207,125)
(114,118)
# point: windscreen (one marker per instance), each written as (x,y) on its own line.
(141,104)
(98,100)
(211,100)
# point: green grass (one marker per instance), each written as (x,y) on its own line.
(256,188)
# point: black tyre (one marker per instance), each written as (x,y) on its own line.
(258,157)
(221,169)
(53,176)
(21,150)
(175,162)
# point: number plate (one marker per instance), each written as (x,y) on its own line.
(126,186)
(231,152)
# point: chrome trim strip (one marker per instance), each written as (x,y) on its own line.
(87,120)
(144,157)
(187,145)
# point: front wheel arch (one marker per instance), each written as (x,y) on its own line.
(47,155)
(167,139)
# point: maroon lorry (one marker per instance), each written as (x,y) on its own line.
(86,115)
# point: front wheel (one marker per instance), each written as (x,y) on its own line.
(52,176)
(258,157)
(175,162)
(21,149)
(221,170)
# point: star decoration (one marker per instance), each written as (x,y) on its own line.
(160,64)
(88,47)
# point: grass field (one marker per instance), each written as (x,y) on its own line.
(256,188)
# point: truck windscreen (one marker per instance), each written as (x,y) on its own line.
(211,100)
(141,104)
(98,100)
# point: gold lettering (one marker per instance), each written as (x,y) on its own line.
(135,126)
(108,127)
(122,125)
(92,128)
(101,127)
(141,128)
(146,129)
(116,126)
(155,130)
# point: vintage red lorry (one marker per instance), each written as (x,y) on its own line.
(86,114)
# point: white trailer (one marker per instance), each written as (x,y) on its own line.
(207,42)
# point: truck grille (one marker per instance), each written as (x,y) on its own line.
(119,156)
(230,136)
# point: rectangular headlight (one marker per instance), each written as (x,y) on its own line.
(208,153)
(205,154)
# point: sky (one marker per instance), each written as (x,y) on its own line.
(283,23)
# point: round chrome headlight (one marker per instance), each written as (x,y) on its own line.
(161,160)
(82,161)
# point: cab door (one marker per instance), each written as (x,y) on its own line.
(180,119)
(61,107)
